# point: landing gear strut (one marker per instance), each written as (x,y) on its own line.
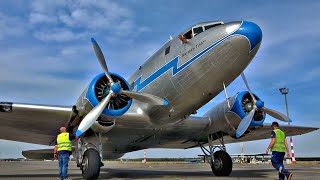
(220,161)
(89,158)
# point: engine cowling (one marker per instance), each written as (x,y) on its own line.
(228,119)
(94,94)
(99,88)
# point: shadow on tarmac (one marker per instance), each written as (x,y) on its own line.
(151,174)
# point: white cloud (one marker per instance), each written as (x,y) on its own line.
(95,14)
(37,66)
(59,35)
(37,17)
(311,75)
(283,53)
(276,37)
(76,50)
(11,26)
(48,74)
(48,6)
(104,17)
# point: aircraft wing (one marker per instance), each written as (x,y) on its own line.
(31,123)
(263,132)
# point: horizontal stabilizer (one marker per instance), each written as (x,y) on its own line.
(39,154)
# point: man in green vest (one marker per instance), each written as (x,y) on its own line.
(63,150)
(279,146)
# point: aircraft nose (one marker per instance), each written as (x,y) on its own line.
(251,31)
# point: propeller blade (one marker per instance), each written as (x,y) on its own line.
(246,83)
(244,124)
(147,98)
(101,59)
(276,114)
(92,116)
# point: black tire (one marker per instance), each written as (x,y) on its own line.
(222,165)
(91,164)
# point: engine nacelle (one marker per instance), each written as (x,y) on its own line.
(97,90)
(228,119)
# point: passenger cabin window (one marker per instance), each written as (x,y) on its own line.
(197,30)
(167,51)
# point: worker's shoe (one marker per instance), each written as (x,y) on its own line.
(289,176)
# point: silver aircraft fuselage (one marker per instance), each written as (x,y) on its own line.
(188,75)
(193,73)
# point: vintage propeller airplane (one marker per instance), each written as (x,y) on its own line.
(155,107)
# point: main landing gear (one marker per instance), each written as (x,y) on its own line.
(220,161)
(89,158)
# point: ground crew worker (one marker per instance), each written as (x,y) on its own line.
(63,150)
(279,146)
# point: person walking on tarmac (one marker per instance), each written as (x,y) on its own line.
(279,146)
(63,150)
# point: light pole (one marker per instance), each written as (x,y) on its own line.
(285,91)
(144,156)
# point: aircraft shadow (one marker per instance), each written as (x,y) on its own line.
(33,175)
(151,174)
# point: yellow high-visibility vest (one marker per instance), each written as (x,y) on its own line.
(64,142)
(279,146)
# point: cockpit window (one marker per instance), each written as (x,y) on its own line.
(188,35)
(197,30)
(211,26)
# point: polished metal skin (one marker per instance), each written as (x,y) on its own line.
(185,74)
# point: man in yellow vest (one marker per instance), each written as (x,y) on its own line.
(279,146)
(63,150)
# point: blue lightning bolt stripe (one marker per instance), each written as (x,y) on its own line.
(173,64)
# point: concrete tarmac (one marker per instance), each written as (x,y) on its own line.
(116,170)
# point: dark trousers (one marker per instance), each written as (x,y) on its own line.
(277,163)
(63,165)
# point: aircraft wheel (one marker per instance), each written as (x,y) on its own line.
(91,164)
(222,165)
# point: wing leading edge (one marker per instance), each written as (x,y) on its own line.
(32,123)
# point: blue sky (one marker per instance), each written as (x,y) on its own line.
(46,55)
